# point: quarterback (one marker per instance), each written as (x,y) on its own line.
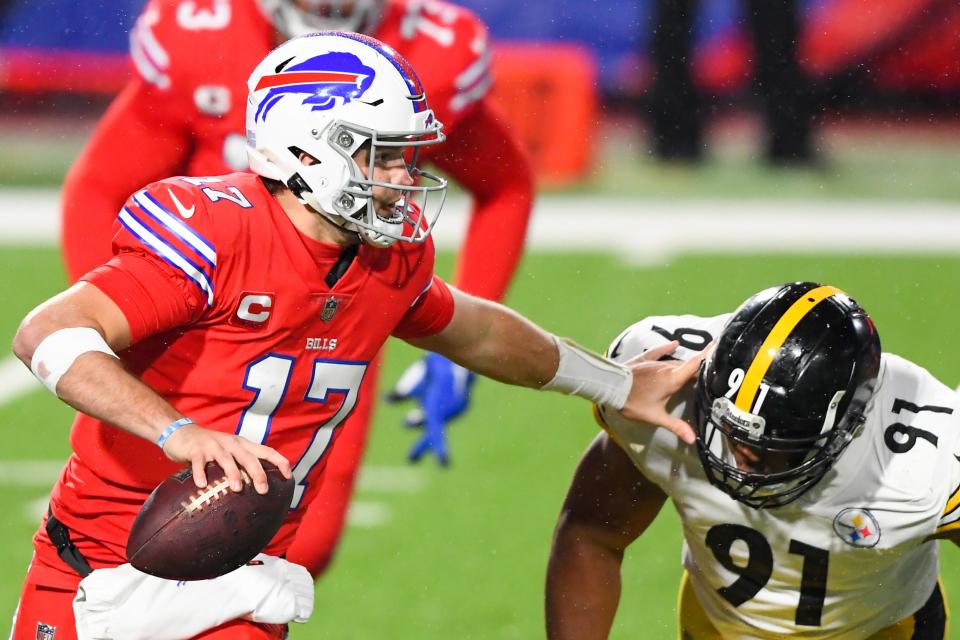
(823,474)
(182,113)
(236,322)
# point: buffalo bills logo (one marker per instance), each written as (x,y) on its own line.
(326,81)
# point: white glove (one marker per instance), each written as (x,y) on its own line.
(123,603)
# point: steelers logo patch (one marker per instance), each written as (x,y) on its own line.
(857,527)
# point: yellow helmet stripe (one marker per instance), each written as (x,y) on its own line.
(774,340)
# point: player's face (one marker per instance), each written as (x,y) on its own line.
(326,8)
(752,460)
(390,167)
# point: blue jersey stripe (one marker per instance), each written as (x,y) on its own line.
(168,253)
(163,216)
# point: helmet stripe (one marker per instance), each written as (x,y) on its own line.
(774,340)
(305,77)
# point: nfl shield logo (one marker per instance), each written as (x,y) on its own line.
(45,631)
(330,306)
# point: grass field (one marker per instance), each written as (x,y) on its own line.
(460,553)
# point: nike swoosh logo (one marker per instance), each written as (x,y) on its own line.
(184,212)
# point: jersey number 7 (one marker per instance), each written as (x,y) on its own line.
(269,377)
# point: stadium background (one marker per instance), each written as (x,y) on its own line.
(461,553)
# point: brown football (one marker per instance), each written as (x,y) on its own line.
(186,533)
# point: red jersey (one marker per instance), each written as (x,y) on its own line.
(189,52)
(233,323)
(188,104)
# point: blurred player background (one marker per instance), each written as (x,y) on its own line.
(622,230)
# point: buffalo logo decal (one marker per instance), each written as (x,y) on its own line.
(325,81)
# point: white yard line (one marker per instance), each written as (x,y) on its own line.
(368,515)
(643,230)
(363,513)
(372,479)
(29,473)
(15,380)
(391,479)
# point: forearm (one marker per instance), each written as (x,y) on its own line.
(80,365)
(583,586)
(99,386)
(497,342)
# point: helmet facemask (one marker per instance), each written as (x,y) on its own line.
(766,471)
(415,213)
(784,392)
(317,103)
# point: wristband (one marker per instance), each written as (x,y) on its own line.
(56,353)
(176,424)
(584,373)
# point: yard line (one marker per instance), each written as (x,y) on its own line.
(29,473)
(368,515)
(372,479)
(642,230)
(391,479)
(15,380)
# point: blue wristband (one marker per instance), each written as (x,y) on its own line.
(162,440)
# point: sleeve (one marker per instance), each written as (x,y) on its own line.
(453,57)
(430,313)
(163,272)
(151,301)
(950,518)
(692,332)
(144,136)
(502,197)
(475,77)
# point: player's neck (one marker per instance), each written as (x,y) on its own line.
(312,224)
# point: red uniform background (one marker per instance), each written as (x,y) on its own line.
(182,283)
(183,113)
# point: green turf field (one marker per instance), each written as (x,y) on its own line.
(462,553)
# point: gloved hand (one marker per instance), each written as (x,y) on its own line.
(442,389)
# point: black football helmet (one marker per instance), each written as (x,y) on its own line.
(784,391)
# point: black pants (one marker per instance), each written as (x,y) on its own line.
(676,107)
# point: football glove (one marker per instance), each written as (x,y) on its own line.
(442,390)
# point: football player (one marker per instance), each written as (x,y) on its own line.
(823,474)
(182,113)
(238,316)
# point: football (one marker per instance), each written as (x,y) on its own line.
(186,533)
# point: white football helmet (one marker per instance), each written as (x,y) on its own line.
(327,95)
(299,17)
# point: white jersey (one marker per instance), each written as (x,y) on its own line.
(847,558)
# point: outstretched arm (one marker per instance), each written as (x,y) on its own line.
(609,504)
(499,343)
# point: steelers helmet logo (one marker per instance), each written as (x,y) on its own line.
(857,527)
